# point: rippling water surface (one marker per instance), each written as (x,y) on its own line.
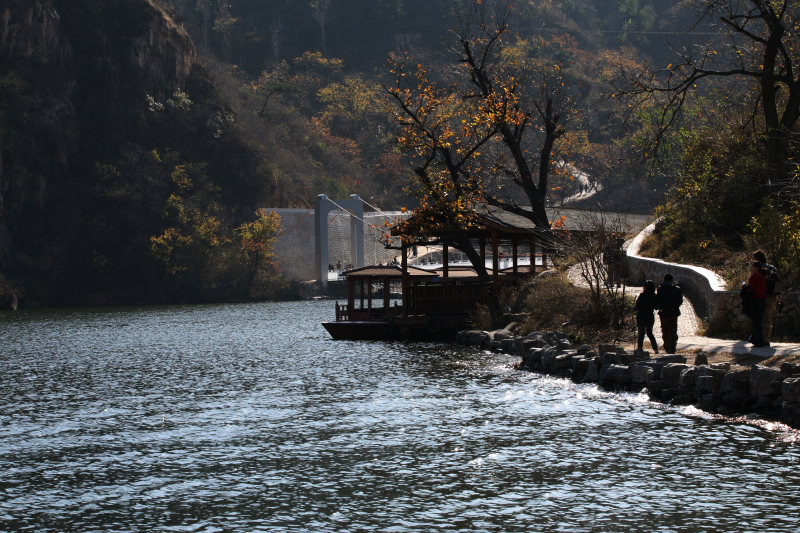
(247,418)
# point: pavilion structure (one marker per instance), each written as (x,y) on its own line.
(388,302)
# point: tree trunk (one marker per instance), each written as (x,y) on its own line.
(464,244)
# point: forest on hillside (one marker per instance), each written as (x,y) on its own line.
(142,138)
(323,66)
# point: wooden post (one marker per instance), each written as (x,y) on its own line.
(404,275)
(351,295)
(369,294)
(495,254)
(361,295)
(514,254)
(533,255)
(482,241)
(446,260)
(544,256)
(386,290)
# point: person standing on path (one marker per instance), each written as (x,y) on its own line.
(670,299)
(612,258)
(773,294)
(646,304)
(757,285)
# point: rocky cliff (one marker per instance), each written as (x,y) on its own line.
(76,77)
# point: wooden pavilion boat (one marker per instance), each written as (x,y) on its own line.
(374,308)
(406,302)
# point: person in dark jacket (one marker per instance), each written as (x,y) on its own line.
(670,299)
(757,285)
(773,294)
(646,304)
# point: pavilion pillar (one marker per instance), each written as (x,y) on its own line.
(369,294)
(482,242)
(495,255)
(404,276)
(514,254)
(533,254)
(446,260)
(351,295)
(386,290)
(544,255)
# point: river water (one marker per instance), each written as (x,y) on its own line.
(245,418)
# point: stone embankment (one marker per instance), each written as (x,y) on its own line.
(722,388)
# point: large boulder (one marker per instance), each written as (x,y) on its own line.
(509,346)
(640,373)
(791,413)
(615,376)
(610,348)
(791,390)
(563,362)
(736,388)
(765,382)
(592,371)
(502,335)
(688,377)
(475,337)
(671,374)
(790,369)
(673,358)
(709,380)
(548,360)
(585,349)
(533,359)
(608,358)
(580,365)
(532,343)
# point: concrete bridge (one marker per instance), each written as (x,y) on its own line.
(344,234)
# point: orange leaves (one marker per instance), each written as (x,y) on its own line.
(559,223)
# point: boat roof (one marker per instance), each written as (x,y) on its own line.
(389,271)
(562,218)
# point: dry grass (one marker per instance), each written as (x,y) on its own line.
(556,305)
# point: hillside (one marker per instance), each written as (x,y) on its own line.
(102,103)
(139,137)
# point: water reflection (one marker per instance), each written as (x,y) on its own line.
(248,418)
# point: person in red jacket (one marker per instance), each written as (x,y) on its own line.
(757,285)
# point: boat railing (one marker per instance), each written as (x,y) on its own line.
(344,313)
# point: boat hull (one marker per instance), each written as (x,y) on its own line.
(353,330)
(423,328)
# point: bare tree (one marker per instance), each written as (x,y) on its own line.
(208,10)
(758,44)
(319,10)
(480,130)
(487,130)
(596,251)
(275,30)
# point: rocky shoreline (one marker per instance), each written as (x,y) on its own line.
(720,387)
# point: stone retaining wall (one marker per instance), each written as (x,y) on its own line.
(706,290)
(702,286)
(772,392)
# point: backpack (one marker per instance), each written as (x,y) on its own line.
(773,280)
(746,298)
